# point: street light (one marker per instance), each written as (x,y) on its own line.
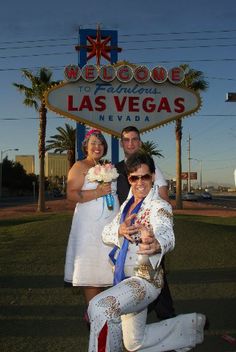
(200,162)
(7,150)
(2,152)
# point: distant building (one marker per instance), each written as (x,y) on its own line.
(56,165)
(27,161)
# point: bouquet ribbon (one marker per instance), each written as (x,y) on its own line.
(110,201)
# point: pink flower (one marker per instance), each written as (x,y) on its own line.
(102,173)
(108,166)
(97,169)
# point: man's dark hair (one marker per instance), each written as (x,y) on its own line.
(130,129)
(137,159)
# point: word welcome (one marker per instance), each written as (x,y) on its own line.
(123,73)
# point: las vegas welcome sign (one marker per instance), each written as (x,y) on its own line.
(111,98)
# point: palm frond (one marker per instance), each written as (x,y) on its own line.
(151,148)
(194,79)
(31,103)
(63,141)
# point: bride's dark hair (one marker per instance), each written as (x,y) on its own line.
(97,134)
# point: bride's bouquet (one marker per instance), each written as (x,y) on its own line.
(104,173)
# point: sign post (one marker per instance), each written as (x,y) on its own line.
(96,43)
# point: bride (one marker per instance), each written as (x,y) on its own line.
(87,263)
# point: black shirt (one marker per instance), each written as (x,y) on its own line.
(123,185)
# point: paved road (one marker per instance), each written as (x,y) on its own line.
(222,201)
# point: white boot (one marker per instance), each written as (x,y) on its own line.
(200,323)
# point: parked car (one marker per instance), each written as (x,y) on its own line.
(190,196)
(206,195)
(172,195)
(56,193)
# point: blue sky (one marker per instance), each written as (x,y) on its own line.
(201,33)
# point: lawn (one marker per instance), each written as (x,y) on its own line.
(39,315)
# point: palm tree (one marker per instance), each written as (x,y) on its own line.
(194,79)
(124,62)
(34,97)
(151,149)
(64,141)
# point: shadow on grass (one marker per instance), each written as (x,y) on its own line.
(202,276)
(43,311)
(26,281)
(175,276)
(43,327)
(24,220)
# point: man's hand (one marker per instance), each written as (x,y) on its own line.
(148,243)
(126,229)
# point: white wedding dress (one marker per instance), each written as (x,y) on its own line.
(87,260)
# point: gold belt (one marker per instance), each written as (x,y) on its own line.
(146,271)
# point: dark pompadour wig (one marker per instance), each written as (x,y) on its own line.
(137,159)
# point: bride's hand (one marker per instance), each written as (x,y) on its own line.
(103,189)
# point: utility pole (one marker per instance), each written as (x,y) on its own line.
(189,164)
(200,174)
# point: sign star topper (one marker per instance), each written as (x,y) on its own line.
(99,46)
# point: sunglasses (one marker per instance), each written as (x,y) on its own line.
(135,178)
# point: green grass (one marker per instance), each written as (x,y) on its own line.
(203,243)
(37,314)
